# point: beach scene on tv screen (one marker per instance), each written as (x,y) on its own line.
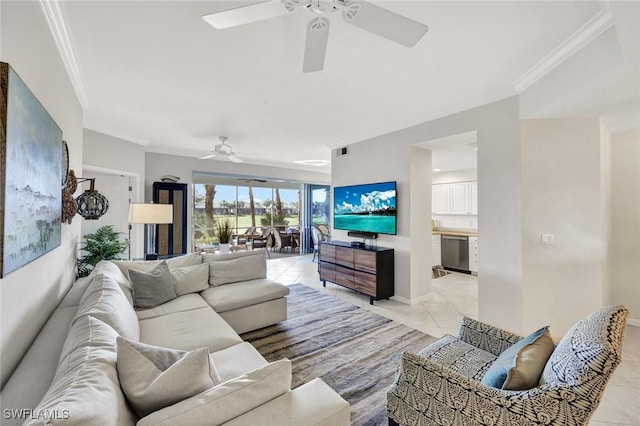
(367,208)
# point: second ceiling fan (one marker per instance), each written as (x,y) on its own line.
(363,14)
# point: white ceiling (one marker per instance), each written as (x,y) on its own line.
(155,73)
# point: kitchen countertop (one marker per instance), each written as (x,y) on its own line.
(458,233)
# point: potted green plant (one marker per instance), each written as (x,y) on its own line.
(104,244)
(224,232)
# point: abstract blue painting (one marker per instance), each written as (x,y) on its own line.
(31,145)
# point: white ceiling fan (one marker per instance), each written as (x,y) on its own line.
(223,150)
(360,13)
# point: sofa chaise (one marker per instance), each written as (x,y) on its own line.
(71,374)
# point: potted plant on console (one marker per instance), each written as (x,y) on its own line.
(224,232)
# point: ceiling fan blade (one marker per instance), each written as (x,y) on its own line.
(383,22)
(234,158)
(316,44)
(208,156)
(245,14)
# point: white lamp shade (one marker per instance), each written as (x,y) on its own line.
(150,213)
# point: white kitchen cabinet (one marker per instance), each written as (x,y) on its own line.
(473,255)
(473,197)
(440,198)
(436,251)
(458,198)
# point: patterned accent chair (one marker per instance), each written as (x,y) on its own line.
(441,384)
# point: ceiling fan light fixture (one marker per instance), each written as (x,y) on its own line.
(361,13)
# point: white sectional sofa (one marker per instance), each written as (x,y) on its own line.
(70,375)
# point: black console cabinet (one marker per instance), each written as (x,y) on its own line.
(367,270)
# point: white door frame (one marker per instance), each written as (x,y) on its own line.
(137,196)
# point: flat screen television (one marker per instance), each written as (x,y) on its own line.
(369,207)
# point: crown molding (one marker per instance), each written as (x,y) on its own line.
(55,18)
(595,26)
(621,128)
(118,135)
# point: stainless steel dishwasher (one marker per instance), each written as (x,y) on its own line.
(455,252)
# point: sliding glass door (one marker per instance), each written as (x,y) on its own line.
(245,207)
(317,209)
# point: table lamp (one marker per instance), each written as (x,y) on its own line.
(149,215)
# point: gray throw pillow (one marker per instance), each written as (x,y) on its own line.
(190,279)
(152,288)
(153,377)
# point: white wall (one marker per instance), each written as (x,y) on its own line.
(387,157)
(113,153)
(29,295)
(563,194)
(420,231)
(625,238)
(108,155)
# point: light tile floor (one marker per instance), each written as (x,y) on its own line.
(455,295)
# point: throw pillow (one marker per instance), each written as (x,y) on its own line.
(152,288)
(227,400)
(234,270)
(145,265)
(153,377)
(190,279)
(520,366)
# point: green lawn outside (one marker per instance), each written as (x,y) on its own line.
(243,223)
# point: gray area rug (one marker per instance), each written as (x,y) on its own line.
(354,351)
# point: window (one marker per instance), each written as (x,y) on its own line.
(244,207)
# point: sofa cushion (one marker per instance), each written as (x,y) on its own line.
(234,267)
(190,279)
(520,366)
(229,399)
(146,265)
(313,403)
(108,268)
(85,389)
(230,297)
(188,330)
(33,376)
(153,287)
(179,304)
(237,360)
(105,300)
(459,356)
(153,377)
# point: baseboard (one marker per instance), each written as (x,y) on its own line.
(413,301)
(633,322)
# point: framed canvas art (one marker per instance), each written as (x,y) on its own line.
(31,166)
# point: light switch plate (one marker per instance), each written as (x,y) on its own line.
(546,239)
